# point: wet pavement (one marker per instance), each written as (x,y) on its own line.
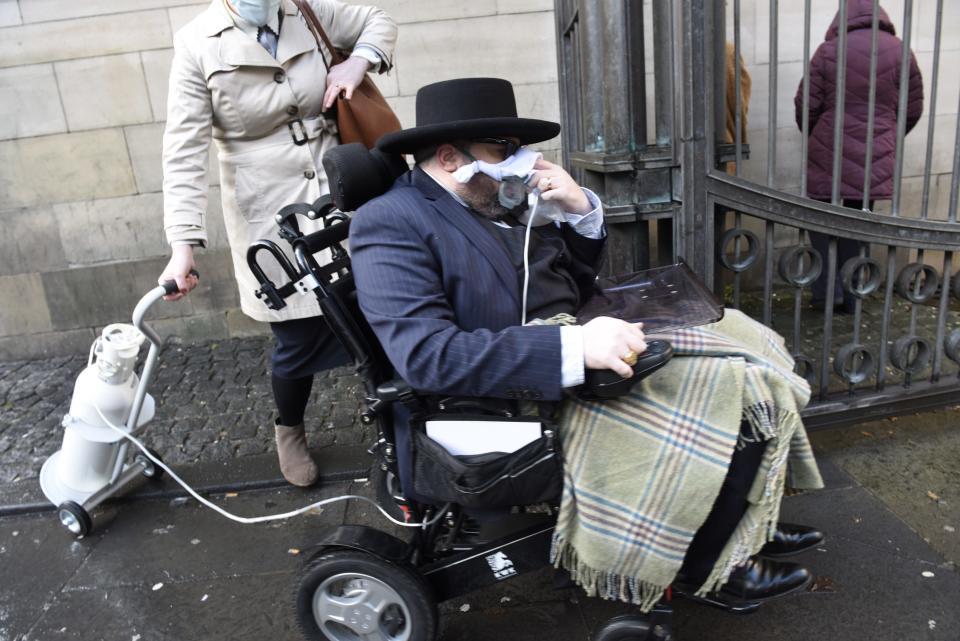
(159,566)
(170,569)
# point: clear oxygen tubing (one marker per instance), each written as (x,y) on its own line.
(526,258)
(247,520)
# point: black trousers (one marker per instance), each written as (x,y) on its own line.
(847,248)
(725,515)
(303,348)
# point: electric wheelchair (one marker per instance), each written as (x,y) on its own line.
(361,583)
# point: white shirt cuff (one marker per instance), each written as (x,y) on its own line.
(571,354)
(369,54)
(589,225)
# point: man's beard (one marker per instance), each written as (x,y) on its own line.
(481,195)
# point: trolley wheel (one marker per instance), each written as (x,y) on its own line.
(150,469)
(345,595)
(628,627)
(76,519)
(386,486)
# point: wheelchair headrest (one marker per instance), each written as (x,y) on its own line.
(358,174)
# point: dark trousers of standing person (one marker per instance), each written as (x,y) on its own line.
(847,248)
(728,508)
(304,347)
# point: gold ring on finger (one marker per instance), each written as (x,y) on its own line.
(630,358)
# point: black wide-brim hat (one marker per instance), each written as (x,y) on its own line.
(466,108)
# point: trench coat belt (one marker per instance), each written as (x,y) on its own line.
(297,132)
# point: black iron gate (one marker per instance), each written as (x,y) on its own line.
(644,97)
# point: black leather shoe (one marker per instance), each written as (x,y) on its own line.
(791,539)
(762,579)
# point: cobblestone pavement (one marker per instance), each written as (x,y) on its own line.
(213,403)
(214,400)
(809,340)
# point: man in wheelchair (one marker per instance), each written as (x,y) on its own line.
(447,273)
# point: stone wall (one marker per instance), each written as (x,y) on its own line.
(83,90)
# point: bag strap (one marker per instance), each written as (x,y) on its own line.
(313,22)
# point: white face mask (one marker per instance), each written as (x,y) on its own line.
(257,12)
(513,174)
(519,165)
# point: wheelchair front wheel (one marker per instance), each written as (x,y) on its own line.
(630,628)
(344,595)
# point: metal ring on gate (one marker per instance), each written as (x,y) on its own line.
(862,286)
(915,274)
(951,345)
(803,366)
(791,262)
(744,262)
(905,359)
(846,366)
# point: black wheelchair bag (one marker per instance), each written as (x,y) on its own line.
(532,474)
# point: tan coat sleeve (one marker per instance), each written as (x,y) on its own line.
(351,25)
(745,84)
(186,141)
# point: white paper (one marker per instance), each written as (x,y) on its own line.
(463,438)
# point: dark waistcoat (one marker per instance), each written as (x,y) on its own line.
(552,289)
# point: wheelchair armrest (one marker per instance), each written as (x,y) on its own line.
(398,389)
(605,383)
(471,405)
(390,392)
(394,390)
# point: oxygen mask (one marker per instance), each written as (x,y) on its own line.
(514,175)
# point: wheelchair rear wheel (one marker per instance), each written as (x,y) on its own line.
(344,595)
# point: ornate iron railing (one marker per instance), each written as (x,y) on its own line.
(655,145)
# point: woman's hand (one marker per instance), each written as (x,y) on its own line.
(344,78)
(182,269)
(558,186)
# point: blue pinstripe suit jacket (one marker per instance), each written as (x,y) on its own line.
(443,297)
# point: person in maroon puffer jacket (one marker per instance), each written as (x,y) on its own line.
(823,115)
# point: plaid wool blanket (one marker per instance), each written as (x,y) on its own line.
(642,471)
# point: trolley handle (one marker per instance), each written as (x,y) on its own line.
(143,305)
(170,287)
(163,289)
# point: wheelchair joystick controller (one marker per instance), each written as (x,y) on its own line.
(605,383)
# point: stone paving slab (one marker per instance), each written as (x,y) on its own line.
(912,464)
(869,583)
(259,472)
(143,575)
(23,542)
(229,609)
(213,403)
(181,541)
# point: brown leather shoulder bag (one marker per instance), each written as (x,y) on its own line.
(366,116)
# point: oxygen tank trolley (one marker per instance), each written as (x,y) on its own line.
(91,465)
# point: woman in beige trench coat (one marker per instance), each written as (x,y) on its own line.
(259,91)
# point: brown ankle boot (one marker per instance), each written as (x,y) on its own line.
(296,464)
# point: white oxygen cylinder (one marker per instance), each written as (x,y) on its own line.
(88,457)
